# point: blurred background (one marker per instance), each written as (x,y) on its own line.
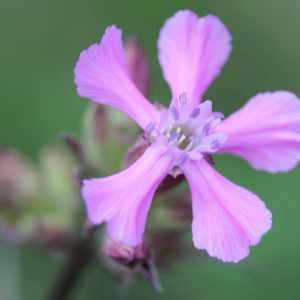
(40,42)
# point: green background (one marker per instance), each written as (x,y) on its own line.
(40,42)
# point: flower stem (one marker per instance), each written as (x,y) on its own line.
(80,255)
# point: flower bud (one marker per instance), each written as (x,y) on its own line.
(52,237)
(135,151)
(129,262)
(172,211)
(138,65)
(107,134)
(122,253)
(170,246)
(17,180)
(60,189)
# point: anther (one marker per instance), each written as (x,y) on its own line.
(175,113)
(215,144)
(181,139)
(218,115)
(195,113)
(178,130)
(149,128)
(182,99)
(206,128)
(173,136)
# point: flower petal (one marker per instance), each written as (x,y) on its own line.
(192,51)
(266,132)
(227,218)
(123,199)
(101,74)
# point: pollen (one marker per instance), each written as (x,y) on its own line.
(179,135)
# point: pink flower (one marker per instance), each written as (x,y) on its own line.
(227,219)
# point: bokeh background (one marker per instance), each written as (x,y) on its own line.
(40,42)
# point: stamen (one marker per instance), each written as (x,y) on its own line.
(178,130)
(215,144)
(182,99)
(195,113)
(195,141)
(151,132)
(190,131)
(182,159)
(175,113)
(218,115)
(173,136)
(181,139)
(206,128)
(149,128)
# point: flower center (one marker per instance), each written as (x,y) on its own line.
(191,131)
(179,135)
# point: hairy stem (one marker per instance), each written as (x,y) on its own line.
(78,258)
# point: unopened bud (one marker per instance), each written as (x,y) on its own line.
(136,151)
(107,135)
(96,123)
(122,253)
(173,211)
(52,237)
(74,146)
(17,179)
(138,65)
(170,246)
(171,182)
(61,187)
(129,262)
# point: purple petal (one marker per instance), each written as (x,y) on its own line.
(101,74)
(123,200)
(266,132)
(192,51)
(227,219)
